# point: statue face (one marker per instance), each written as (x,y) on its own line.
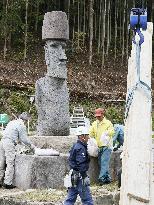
(56,58)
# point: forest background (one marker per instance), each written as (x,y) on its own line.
(98,51)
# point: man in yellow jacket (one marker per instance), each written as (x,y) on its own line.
(102,130)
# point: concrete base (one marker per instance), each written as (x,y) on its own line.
(59,143)
(49,171)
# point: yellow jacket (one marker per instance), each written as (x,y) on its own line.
(99,128)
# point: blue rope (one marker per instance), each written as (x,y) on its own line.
(138,84)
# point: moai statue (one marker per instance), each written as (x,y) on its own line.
(52,97)
(137,164)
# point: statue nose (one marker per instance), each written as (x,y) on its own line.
(63,56)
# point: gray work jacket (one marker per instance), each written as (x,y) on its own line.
(16,132)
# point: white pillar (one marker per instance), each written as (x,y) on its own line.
(137,165)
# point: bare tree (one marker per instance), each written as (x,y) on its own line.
(78,24)
(108,28)
(84,20)
(26,29)
(68,11)
(103,34)
(127,31)
(5,30)
(91,11)
(123,31)
(115,31)
(73,20)
(37,14)
(99,26)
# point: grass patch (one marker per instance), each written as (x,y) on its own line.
(53,195)
(50,195)
(106,188)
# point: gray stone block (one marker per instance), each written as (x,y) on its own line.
(55,26)
(40,171)
(60,143)
(49,171)
(52,103)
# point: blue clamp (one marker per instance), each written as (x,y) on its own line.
(138,18)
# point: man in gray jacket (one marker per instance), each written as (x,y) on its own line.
(14,133)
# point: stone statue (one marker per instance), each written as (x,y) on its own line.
(52,97)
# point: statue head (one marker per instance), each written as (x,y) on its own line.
(55,32)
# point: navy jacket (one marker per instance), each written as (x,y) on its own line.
(79,158)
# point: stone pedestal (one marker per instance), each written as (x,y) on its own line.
(49,171)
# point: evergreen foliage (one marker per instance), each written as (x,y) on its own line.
(21,24)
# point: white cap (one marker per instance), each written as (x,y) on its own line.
(82,131)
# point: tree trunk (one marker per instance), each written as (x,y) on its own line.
(120,16)
(149,7)
(78,24)
(5,32)
(84,21)
(90,29)
(26,28)
(123,31)
(103,34)
(127,32)
(68,11)
(115,31)
(37,13)
(73,21)
(108,28)
(99,27)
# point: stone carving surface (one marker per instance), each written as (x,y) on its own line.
(56,59)
(52,106)
(55,26)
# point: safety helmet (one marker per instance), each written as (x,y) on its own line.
(82,131)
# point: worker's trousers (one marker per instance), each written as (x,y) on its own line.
(7,157)
(104,155)
(81,190)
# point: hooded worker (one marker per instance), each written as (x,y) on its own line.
(14,133)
